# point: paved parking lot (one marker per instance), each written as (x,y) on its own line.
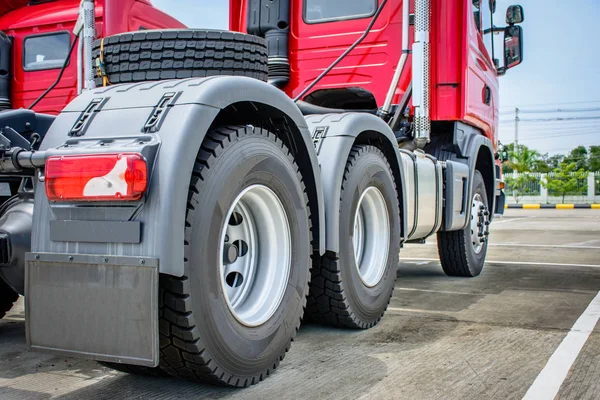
(527,319)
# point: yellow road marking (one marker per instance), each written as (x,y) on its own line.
(565,206)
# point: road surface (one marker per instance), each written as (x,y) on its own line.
(526,326)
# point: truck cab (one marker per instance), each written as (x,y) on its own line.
(42,34)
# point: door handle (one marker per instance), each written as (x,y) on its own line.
(487,95)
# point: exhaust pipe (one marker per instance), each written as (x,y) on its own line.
(421,70)
(89,35)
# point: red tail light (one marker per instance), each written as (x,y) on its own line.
(99,177)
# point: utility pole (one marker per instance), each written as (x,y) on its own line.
(516,131)
(516,127)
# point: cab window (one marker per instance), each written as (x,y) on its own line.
(43,52)
(483,20)
(317,11)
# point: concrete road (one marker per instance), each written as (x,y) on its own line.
(485,338)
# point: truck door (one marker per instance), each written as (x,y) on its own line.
(321,30)
(481,97)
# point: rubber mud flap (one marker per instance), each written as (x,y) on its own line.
(103,308)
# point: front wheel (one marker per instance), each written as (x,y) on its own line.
(462,253)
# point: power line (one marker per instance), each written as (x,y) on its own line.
(552,104)
(507,121)
(553,111)
(567,132)
(550,130)
(555,136)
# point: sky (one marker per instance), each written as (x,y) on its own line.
(560,71)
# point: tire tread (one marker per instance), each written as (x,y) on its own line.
(453,250)
(182,352)
(327,301)
(180,54)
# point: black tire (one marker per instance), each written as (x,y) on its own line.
(200,338)
(135,369)
(175,54)
(457,255)
(8,297)
(338,295)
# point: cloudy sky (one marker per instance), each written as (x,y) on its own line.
(561,70)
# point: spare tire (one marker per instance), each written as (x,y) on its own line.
(177,54)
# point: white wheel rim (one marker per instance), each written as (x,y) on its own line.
(479,223)
(255,251)
(371,236)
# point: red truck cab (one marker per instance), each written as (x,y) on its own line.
(42,33)
(464,76)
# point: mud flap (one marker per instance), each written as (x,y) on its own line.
(103,308)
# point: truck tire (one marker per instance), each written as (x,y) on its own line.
(174,54)
(7,298)
(233,315)
(462,253)
(354,288)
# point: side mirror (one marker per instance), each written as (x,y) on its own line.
(502,154)
(513,46)
(493,6)
(514,15)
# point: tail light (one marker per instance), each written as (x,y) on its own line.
(96,177)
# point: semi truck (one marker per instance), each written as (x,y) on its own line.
(179,200)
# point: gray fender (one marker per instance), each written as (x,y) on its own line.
(469,141)
(124,112)
(334,136)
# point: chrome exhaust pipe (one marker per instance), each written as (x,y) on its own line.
(421,71)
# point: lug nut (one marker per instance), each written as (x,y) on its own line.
(230,255)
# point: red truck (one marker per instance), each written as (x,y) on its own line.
(207,190)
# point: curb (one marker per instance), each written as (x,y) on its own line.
(553,206)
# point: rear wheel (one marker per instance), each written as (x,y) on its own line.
(353,289)
(462,253)
(7,298)
(231,318)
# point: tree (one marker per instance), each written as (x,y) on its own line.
(565,179)
(520,185)
(594,158)
(579,156)
(554,161)
(522,158)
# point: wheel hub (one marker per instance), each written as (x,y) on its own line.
(480,223)
(255,255)
(371,236)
